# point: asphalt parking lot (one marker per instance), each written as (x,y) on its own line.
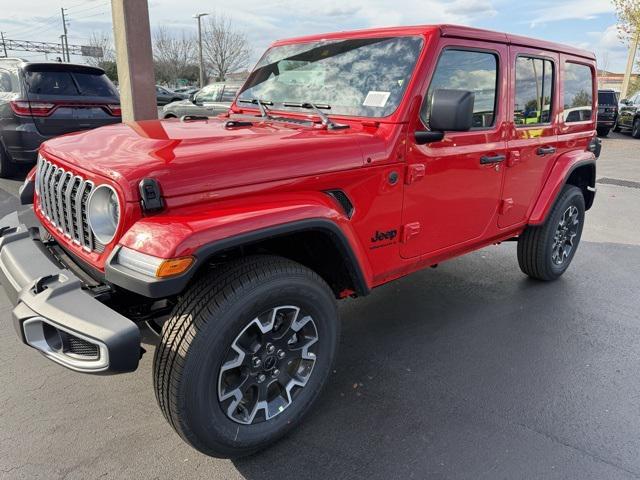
(466,371)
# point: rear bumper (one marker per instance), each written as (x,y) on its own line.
(22,141)
(54,314)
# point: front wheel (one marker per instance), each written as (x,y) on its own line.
(603,132)
(545,251)
(245,354)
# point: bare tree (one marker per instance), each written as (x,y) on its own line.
(225,49)
(174,55)
(107,61)
(103,41)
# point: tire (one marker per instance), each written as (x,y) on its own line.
(616,127)
(537,256)
(635,132)
(218,317)
(603,132)
(170,116)
(7,167)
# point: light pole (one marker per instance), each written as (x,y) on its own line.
(198,16)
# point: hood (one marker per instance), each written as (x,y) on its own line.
(204,156)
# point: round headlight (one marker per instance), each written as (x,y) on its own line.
(103,213)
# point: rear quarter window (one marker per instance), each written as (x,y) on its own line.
(578,92)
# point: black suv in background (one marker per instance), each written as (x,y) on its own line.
(43,100)
(607,111)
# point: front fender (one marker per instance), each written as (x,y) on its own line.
(203,230)
(560,173)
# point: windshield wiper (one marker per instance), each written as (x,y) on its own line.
(326,121)
(262,105)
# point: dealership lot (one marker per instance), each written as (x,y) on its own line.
(466,371)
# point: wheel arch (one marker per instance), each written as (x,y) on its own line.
(574,168)
(318,243)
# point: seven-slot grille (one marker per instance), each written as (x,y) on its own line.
(63,200)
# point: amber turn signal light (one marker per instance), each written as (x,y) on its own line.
(174,266)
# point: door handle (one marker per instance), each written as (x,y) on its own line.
(542,151)
(485,159)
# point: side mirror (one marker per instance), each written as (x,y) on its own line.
(451,111)
(192,97)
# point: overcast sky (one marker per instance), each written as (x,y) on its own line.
(588,24)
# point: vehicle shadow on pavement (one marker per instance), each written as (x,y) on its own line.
(473,369)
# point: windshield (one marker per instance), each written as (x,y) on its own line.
(359,77)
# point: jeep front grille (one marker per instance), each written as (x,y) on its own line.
(62,199)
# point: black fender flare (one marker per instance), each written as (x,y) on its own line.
(160,288)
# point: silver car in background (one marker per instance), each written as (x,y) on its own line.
(210,101)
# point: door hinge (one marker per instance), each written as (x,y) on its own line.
(409,231)
(415,172)
(506,205)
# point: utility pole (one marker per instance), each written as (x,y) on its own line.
(4,45)
(633,47)
(198,16)
(62,45)
(65,44)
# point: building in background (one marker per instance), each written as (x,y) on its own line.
(613,81)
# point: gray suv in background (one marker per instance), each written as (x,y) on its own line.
(43,100)
(210,101)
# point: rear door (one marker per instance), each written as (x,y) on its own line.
(68,98)
(533,141)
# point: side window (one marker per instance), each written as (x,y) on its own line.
(6,85)
(534,91)
(578,92)
(467,70)
(208,94)
(229,94)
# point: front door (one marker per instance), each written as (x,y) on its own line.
(533,143)
(457,199)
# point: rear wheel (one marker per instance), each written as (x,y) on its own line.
(245,354)
(7,167)
(545,252)
(635,132)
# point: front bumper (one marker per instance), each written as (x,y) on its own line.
(55,314)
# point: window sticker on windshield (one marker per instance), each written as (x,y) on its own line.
(376,99)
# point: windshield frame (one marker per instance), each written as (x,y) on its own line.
(423,36)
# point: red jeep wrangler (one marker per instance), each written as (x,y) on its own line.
(347,160)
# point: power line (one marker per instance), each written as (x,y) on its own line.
(97,5)
(90,16)
(49,21)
